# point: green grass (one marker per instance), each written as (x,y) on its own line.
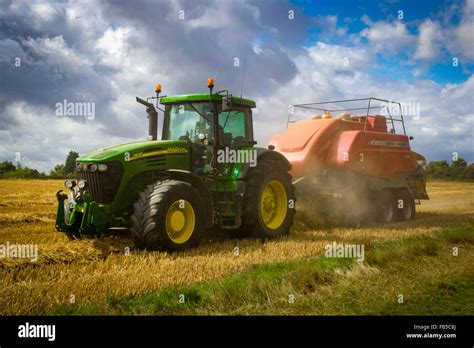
(422,269)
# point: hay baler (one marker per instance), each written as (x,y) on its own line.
(354,166)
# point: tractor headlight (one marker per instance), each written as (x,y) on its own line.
(70,184)
(92,167)
(102,167)
(81,184)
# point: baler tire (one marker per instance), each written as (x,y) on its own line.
(408,210)
(386,206)
(257,180)
(151,222)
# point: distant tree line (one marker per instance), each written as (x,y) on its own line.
(8,170)
(439,170)
(457,171)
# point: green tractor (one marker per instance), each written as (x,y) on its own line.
(204,173)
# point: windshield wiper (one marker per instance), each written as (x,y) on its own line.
(200,113)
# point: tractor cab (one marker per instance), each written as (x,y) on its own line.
(190,117)
(209,123)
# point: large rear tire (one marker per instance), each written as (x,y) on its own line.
(405,205)
(268,204)
(386,206)
(168,216)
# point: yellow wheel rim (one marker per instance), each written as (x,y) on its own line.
(180,221)
(273,204)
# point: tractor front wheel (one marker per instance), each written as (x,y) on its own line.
(168,216)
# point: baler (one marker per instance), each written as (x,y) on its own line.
(354,166)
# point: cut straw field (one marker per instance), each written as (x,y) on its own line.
(94,270)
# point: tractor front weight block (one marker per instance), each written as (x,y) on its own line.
(61,224)
(86,218)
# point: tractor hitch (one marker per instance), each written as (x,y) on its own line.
(82,217)
(61,224)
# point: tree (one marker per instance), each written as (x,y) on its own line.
(58,171)
(438,169)
(6,166)
(70,165)
(22,173)
(457,170)
(438,165)
(461,163)
(469,174)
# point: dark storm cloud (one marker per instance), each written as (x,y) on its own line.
(107,52)
(202,44)
(66,54)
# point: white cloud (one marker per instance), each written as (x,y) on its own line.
(446,123)
(44,138)
(43,10)
(463,36)
(429,39)
(242,17)
(460,38)
(38,13)
(55,51)
(112,46)
(329,28)
(388,37)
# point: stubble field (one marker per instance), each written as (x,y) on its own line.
(98,276)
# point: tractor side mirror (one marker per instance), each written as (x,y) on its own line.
(227,103)
(411,138)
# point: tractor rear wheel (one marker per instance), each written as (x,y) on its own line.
(168,216)
(268,204)
(386,206)
(405,205)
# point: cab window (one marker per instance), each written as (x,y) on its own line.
(233,122)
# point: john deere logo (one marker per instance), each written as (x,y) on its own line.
(176,150)
(167,151)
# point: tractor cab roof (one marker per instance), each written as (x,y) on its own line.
(174,99)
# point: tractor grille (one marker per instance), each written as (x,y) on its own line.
(103,186)
(154,161)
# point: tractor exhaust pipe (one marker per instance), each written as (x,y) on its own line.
(152,119)
(152,123)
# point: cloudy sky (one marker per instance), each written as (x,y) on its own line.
(107,52)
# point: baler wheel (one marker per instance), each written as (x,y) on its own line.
(405,205)
(386,206)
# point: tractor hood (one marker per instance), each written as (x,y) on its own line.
(136,150)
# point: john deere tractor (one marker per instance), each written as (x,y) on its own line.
(204,173)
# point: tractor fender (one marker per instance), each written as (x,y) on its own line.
(193,179)
(263,154)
